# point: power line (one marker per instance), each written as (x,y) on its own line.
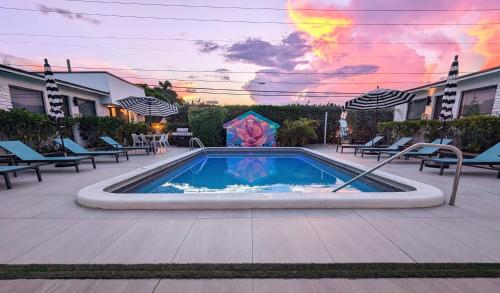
(267,91)
(280,9)
(220,54)
(274,82)
(246,72)
(237,20)
(266,95)
(240,41)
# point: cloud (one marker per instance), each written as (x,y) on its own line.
(285,55)
(68,14)
(222,73)
(207,46)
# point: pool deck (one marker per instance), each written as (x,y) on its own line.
(41,223)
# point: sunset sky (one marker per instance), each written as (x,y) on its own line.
(300,51)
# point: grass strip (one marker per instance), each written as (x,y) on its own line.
(258,270)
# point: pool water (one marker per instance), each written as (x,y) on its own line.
(251,172)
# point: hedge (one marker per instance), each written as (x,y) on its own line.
(206,124)
(38,131)
(471,134)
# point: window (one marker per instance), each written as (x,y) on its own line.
(437,107)
(86,107)
(415,109)
(478,101)
(65,105)
(27,99)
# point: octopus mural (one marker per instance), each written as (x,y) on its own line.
(251,130)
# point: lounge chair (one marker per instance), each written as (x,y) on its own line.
(5,170)
(393,147)
(28,155)
(78,150)
(490,157)
(423,152)
(376,140)
(116,145)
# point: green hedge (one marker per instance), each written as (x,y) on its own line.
(298,132)
(91,127)
(38,131)
(363,122)
(35,130)
(471,134)
(206,124)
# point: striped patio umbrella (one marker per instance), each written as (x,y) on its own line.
(377,99)
(148,106)
(56,112)
(450,93)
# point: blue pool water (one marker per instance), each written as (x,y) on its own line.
(258,172)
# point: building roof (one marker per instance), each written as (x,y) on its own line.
(38,76)
(257,115)
(101,72)
(462,77)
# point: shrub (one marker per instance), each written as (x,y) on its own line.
(91,127)
(471,134)
(298,132)
(362,122)
(206,124)
(35,130)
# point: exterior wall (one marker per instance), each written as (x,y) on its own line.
(7,80)
(471,83)
(117,88)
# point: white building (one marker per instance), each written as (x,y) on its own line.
(478,93)
(26,90)
(117,88)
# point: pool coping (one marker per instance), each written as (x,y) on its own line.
(100,195)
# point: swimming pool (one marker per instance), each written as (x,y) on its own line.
(241,172)
(241,178)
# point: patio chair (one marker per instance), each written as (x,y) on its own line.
(490,158)
(162,142)
(375,141)
(5,170)
(28,155)
(393,147)
(116,145)
(78,150)
(423,152)
(136,140)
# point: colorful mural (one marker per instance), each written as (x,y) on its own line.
(251,130)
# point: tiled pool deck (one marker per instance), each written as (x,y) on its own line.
(40,223)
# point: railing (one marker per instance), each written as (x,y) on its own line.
(458,170)
(198,141)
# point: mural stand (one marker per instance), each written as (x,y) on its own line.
(251,130)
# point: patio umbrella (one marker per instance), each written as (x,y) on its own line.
(148,106)
(450,92)
(379,98)
(56,112)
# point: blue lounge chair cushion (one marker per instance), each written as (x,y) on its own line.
(26,153)
(395,146)
(425,151)
(490,156)
(78,149)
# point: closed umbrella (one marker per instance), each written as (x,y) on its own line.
(449,96)
(379,98)
(56,112)
(148,106)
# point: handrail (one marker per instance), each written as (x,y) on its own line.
(458,170)
(198,141)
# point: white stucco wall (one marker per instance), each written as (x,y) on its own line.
(7,80)
(465,84)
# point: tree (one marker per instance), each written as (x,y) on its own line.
(164,91)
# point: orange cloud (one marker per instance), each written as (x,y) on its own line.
(485,35)
(322,26)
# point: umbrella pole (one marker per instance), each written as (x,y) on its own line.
(59,129)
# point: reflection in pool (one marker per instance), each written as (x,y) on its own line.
(238,173)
